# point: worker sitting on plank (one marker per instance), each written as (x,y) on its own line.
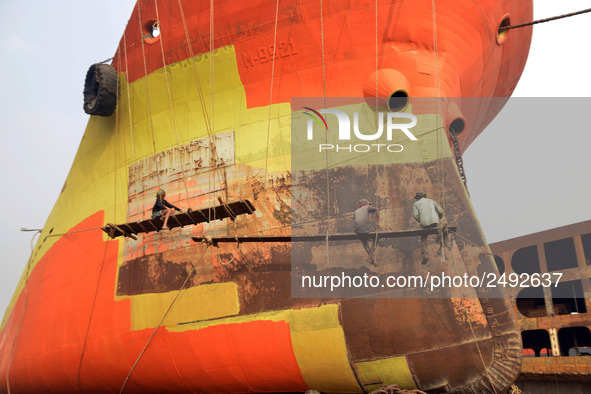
(363,226)
(429,214)
(163,208)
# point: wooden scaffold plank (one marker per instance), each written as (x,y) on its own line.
(190,217)
(318,238)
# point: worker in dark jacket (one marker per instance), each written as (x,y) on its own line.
(163,208)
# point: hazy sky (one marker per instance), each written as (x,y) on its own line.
(533,174)
(520,181)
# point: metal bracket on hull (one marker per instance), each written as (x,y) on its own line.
(191,217)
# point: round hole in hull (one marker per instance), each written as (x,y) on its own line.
(151,31)
(501,33)
(457,126)
(398,100)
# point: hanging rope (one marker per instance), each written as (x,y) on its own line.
(545,20)
(163,318)
(73,232)
(478,346)
(326,134)
(377,57)
(483,250)
(116,141)
(213,147)
(271,92)
(90,318)
(18,332)
(170,102)
(119,89)
(441,178)
(208,120)
(323,63)
(148,94)
(375,241)
(149,104)
(467,317)
(437,104)
(128,97)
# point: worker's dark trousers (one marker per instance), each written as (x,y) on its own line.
(424,238)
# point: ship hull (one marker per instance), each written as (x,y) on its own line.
(205,112)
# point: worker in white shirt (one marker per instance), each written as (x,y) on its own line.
(428,213)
